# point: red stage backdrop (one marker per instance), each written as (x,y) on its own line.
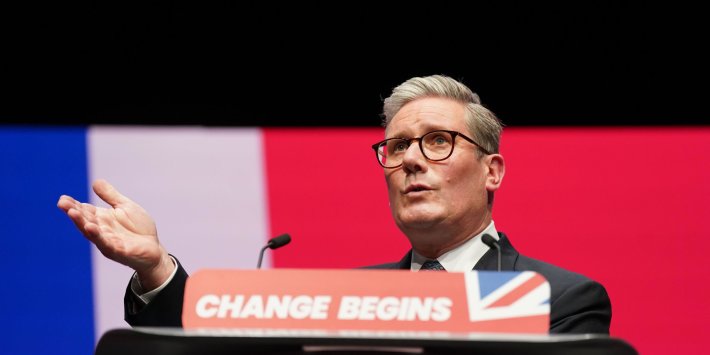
(625,206)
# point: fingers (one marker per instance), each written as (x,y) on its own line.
(81,218)
(93,231)
(81,214)
(77,219)
(95,224)
(108,193)
(99,225)
(66,202)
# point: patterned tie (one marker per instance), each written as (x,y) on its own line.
(432,265)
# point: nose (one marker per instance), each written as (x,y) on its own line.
(413,160)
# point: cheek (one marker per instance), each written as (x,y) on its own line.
(392,188)
(461,186)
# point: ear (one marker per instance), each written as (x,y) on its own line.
(496,171)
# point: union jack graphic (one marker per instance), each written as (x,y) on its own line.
(506,295)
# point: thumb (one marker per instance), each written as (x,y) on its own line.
(108,193)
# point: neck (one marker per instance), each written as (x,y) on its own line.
(436,241)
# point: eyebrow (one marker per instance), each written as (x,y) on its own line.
(427,128)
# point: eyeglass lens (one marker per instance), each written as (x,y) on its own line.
(435,146)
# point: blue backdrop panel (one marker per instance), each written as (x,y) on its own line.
(46,297)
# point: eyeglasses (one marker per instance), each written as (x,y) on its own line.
(435,146)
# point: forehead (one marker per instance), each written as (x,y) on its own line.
(425,114)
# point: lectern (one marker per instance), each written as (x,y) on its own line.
(169,341)
(361,312)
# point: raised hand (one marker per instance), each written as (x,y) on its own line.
(124,233)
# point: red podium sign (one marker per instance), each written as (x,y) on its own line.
(391,300)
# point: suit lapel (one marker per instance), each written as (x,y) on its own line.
(406,262)
(509,256)
(489,261)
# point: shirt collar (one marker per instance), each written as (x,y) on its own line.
(462,258)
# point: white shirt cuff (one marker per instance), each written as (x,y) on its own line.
(146,297)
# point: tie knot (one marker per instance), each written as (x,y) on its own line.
(432,265)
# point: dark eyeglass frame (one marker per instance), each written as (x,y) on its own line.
(409,141)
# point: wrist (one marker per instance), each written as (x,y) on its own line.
(154,277)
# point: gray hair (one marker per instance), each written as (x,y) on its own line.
(482,124)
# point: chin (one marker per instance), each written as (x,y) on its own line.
(419,219)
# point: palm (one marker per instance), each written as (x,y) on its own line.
(129,234)
(123,232)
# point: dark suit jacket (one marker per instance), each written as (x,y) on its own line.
(577,303)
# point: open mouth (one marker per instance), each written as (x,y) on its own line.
(416,188)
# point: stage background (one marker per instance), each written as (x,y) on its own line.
(214,116)
(625,206)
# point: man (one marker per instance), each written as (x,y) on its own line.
(442,168)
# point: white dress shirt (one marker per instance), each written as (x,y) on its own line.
(462,258)
(146,297)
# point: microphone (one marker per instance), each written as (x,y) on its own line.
(493,244)
(274,243)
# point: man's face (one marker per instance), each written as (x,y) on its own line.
(447,194)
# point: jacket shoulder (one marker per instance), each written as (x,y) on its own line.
(578,303)
(404,263)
